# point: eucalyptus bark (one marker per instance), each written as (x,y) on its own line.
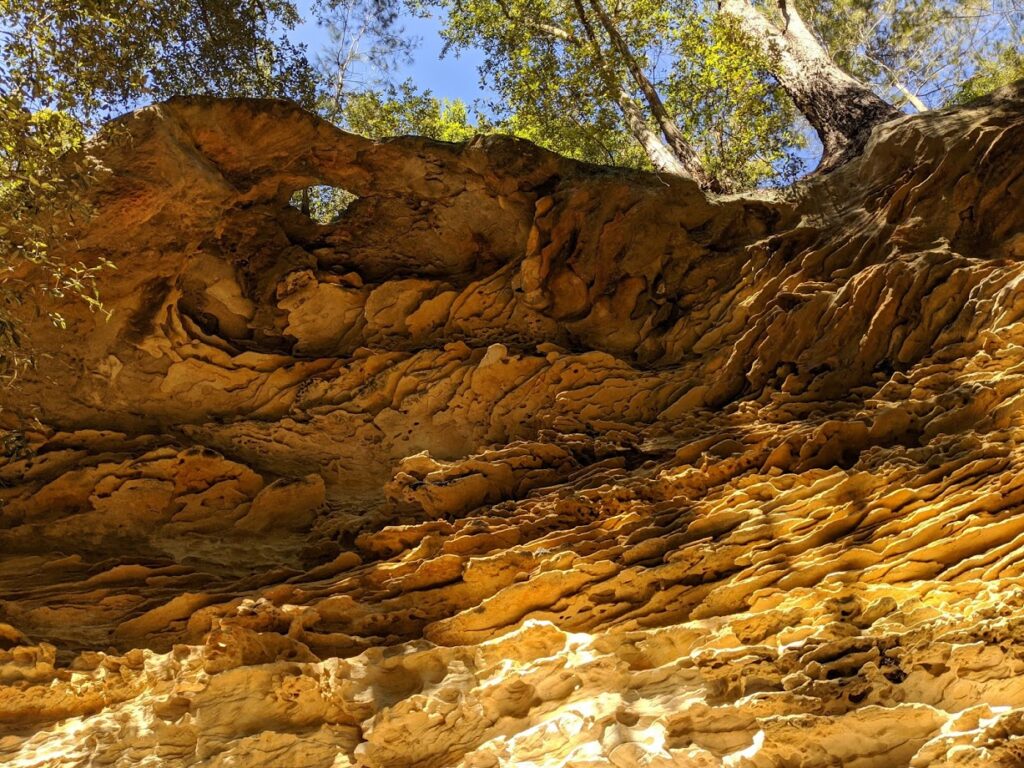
(840,108)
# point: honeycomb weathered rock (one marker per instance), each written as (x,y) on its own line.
(523,462)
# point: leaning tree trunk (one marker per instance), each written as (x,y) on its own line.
(662,158)
(840,108)
(665,157)
(674,138)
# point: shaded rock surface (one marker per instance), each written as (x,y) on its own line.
(522,462)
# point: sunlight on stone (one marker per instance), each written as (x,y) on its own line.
(519,462)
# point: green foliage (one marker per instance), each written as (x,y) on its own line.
(365,43)
(592,133)
(920,52)
(559,89)
(34,196)
(149,49)
(66,66)
(551,90)
(404,110)
(722,90)
(1006,66)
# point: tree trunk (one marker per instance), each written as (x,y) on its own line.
(663,157)
(681,148)
(840,108)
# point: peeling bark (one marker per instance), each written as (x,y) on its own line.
(840,108)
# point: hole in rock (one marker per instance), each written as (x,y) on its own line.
(322,203)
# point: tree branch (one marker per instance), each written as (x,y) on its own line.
(678,143)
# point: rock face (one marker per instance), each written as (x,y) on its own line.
(522,462)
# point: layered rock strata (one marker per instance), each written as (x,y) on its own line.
(522,462)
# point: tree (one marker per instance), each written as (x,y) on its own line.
(148,49)
(599,72)
(913,49)
(1004,67)
(918,53)
(841,109)
(136,50)
(404,110)
(599,69)
(365,42)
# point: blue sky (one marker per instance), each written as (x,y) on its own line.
(449,77)
(452,77)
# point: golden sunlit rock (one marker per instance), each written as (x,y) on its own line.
(522,462)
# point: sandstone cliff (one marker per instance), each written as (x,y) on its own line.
(522,462)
